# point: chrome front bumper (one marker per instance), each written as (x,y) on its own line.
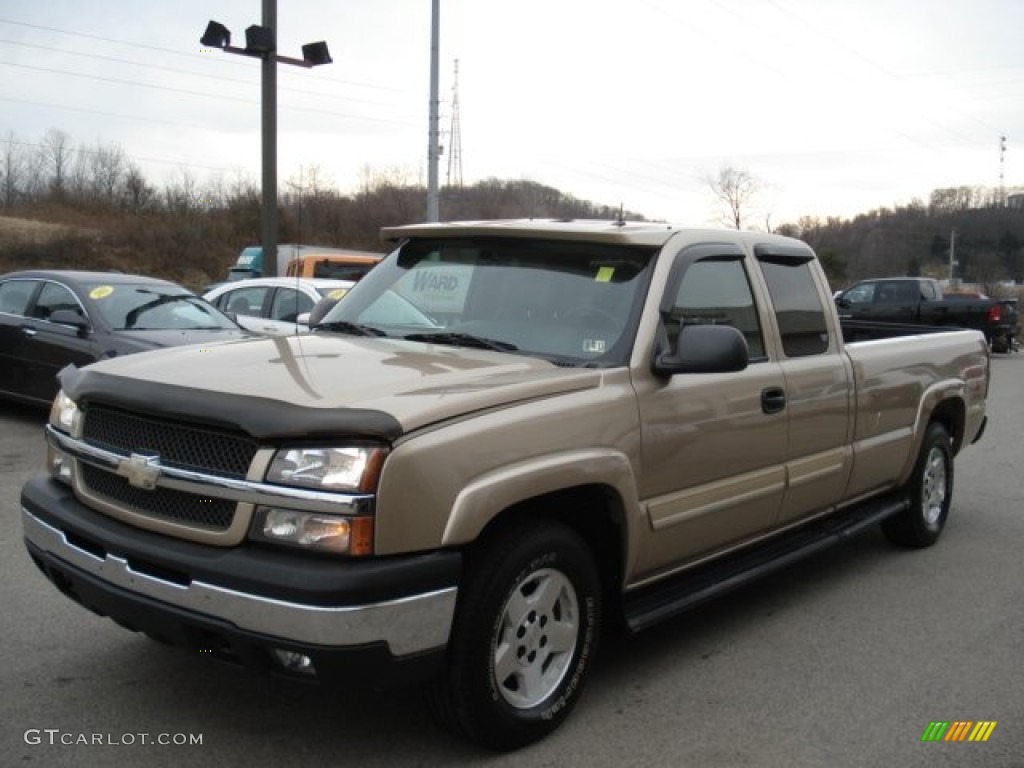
(408,625)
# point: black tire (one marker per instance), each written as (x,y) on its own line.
(929,492)
(524,638)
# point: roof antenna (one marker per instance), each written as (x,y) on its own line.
(620,221)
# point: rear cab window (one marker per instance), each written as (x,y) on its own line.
(799,312)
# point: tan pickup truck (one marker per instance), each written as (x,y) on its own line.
(506,436)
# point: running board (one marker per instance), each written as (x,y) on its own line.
(650,605)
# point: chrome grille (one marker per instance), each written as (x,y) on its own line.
(165,503)
(181,445)
(185,446)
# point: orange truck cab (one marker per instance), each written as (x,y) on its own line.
(351,265)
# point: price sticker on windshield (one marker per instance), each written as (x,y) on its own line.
(101,292)
(604,275)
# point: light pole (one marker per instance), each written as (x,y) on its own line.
(260,42)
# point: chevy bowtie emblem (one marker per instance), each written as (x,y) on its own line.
(141,470)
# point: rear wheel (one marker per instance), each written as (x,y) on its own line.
(929,491)
(525,635)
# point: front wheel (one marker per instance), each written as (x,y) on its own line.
(929,492)
(525,636)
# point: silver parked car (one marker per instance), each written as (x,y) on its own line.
(276,306)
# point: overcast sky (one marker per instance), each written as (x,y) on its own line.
(836,106)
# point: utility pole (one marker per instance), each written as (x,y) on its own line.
(269,138)
(434,133)
(952,255)
(1002,165)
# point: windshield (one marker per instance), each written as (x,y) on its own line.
(572,303)
(155,307)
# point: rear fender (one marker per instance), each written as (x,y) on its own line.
(944,401)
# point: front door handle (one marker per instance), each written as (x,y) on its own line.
(773,399)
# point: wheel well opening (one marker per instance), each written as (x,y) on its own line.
(595,513)
(951,415)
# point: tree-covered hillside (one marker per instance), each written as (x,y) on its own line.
(94,208)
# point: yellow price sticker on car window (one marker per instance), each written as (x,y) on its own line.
(337,293)
(101,292)
(604,274)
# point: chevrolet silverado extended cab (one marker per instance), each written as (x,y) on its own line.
(506,436)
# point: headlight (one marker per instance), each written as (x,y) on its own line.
(349,469)
(64,413)
(328,469)
(314,530)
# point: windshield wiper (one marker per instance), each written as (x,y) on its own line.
(463,340)
(344,326)
(132,317)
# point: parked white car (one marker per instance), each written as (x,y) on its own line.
(276,306)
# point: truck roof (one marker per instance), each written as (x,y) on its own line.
(646,233)
(905,279)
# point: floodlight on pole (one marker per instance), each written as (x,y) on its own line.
(216,35)
(260,42)
(316,54)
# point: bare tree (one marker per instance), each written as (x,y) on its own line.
(311,199)
(107,169)
(242,189)
(736,190)
(138,194)
(12,170)
(373,180)
(55,151)
(182,196)
(35,184)
(78,177)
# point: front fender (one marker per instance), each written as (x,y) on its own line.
(488,495)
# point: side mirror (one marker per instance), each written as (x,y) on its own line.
(71,318)
(704,349)
(320,309)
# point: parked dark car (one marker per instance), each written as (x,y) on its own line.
(49,318)
(900,301)
(1011,319)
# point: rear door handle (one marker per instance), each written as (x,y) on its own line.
(773,399)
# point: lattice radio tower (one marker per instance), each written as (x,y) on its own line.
(455,138)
